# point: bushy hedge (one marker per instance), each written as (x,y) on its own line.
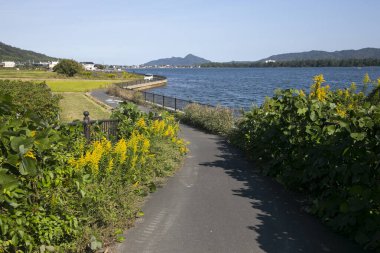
(325,144)
(33,97)
(79,199)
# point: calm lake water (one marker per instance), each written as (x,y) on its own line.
(242,87)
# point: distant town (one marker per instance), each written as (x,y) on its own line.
(88,66)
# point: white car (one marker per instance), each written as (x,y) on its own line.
(148,77)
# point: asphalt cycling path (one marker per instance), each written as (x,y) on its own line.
(218,203)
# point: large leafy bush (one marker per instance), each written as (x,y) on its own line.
(33,97)
(327,145)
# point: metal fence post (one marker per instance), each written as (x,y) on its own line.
(175,104)
(86,125)
(145,95)
(153,98)
(163,101)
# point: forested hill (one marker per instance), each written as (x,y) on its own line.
(9,53)
(188,60)
(365,53)
(296,63)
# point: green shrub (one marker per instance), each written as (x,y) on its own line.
(32,97)
(325,144)
(68,67)
(217,120)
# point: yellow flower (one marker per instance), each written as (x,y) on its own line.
(302,94)
(141,123)
(347,93)
(322,93)
(106,145)
(318,80)
(317,91)
(366,79)
(33,133)
(145,146)
(121,150)
(378,82)
(110,165)
(342,113)
(353,86)
(30,154)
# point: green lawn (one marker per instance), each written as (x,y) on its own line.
(83,85)
(28,74)
(74,104)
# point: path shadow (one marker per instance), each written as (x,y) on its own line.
(282,226)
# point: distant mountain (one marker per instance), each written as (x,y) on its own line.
(188,60)
(9,53)
(365,53)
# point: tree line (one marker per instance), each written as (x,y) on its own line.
(296,63)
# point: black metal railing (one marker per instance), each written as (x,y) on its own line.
(97,129)
(166,102)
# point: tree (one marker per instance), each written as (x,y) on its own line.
(68,67)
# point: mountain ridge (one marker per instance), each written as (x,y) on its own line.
(188,60)
(364,53)
(10,53)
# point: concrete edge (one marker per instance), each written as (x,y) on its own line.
(97,101)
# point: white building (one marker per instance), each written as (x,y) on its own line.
(88,66)
(9,64)
(269,61)
(52,64)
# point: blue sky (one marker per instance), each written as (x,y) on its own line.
(134,32)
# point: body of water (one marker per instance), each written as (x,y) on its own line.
(242,87)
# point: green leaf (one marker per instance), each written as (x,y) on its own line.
(313,116)
(120,239)
(302,111)
(16,142)
(330,129)
(358,136)
(345,125)
(7,180)
(28,166)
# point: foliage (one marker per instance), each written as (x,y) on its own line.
(32,97)
(218,120)
(36,186)
(325,144)
(50,199)
(68,67)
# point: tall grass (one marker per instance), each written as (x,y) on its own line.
(216,120)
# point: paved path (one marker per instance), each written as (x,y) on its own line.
(217,203)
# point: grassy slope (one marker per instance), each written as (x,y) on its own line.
(74,104)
